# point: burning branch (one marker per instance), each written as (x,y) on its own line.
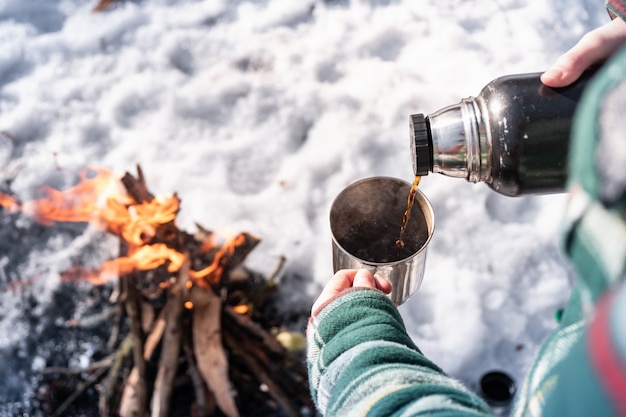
(184,298)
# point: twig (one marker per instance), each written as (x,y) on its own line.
(106,362)
(279,267)
(271,359)
(79,390)
(134,397)
(153,339)
(115,332)
(275,390)
(168,362)
(108,388)
(255,331)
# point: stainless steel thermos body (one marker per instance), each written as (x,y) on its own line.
(514,135)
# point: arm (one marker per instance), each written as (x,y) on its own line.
(593,48)
(592,379)
(361,361)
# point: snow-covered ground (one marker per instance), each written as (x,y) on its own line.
(258,113)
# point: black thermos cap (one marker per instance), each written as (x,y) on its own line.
(421,145)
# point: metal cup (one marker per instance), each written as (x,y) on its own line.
(365,222)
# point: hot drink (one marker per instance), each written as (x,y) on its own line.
(407,213)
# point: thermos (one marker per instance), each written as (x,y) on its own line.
(514,136)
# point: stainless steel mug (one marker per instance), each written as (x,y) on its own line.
(365,221)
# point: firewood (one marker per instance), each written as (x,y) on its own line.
(238,347)
(136,187)
(147,316)
(168,362)
(135,391)
(186,314)
(154,337)
(254,331)
(268,359)
(203,408)
(208,348)
(108,388)
(78,391)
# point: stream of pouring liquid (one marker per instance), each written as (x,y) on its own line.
(407,212)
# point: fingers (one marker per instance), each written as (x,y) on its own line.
(364,278)
(347,278)
(340,281)
(382,284)
(593,48)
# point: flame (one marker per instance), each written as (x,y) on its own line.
(144,258)
(137,223)
(77,203)
(213,272)
(8,203)
(209,243)
(101,199)
(241,309)
(79,273)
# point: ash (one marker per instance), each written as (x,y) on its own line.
(46,323)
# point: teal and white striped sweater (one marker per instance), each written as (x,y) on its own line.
(362,362)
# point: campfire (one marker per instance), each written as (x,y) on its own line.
(190,338)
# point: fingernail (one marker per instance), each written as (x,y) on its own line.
(363,273)
(363,277)
(553,73)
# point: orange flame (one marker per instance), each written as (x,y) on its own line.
(213,272)
(102,201)
(136,223)
(144,258)
(8,203)
(76,204)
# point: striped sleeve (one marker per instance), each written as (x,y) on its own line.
(616,8)
(591,381)
(362,362)
(607,348)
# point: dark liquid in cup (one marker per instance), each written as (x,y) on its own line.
(407,213)
(376,242)
(366,220)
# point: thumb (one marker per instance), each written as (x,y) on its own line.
(364,278)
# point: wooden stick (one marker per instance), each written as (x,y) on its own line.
(135,392)
(154,338)
(79,390)
(108,387)
(207,345)
(106,362)
(257,369)
(269,360)
(196,379)
(256,331)
(168,363)
(136,187)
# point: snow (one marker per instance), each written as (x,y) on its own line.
(258,113)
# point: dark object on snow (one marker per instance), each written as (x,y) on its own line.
(497,388)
